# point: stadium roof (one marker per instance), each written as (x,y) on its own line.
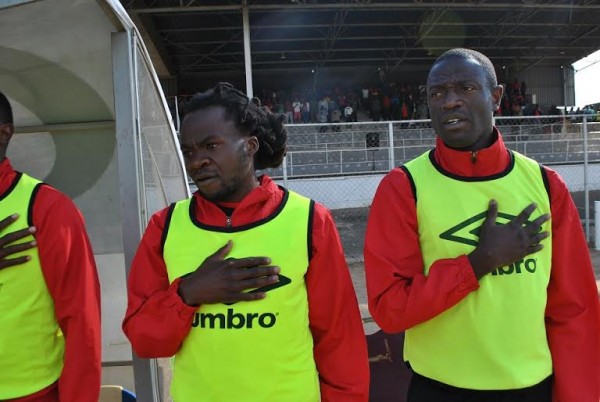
(196,37)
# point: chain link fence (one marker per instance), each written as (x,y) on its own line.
(340,165)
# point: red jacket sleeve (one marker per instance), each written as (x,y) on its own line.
(340,348)
(70,272)
(400,296)
(573,310)
(157,320)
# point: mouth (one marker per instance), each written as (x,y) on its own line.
(203,178)
(454,121)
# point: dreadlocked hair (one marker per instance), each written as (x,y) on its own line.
(250,118)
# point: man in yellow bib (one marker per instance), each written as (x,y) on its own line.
(49,290)
(246,282)
(498,301)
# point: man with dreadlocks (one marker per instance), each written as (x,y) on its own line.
(246,282)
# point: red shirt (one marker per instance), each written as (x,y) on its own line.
(401,296)
(157,320)
(70,272)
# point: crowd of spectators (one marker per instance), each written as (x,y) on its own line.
(387,101)
(390,101)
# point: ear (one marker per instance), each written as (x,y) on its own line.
(252,145)
(497,92)
(6,132)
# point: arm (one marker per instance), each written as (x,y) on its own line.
(572,311)
(400,295)
(70,272)
(157,320)
(340,348)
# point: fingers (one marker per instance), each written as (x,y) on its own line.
(534,248)
(249,262)
(256,272)
(524,214)
(537,238)
(540,220)
(492,213)
(256,283)
(260,287)
(221,253)
(6,263)
(14,236)
(4,223)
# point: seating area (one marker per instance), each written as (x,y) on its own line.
(363,148)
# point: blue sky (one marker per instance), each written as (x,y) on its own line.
(587,79)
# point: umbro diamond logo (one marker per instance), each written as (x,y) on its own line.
(467,232)
(283,281)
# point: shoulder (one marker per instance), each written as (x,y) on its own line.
(397,178)
(158,220)
(51,197)
(554,182)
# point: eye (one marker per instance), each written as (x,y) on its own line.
(186,153)
(210,146)
(468,88)
(435,94)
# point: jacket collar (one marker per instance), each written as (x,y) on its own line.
(257,204)
(485,162)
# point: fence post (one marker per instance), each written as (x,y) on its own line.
(177,122)
(285,175)
(391,145)
(597,225)
(585,179)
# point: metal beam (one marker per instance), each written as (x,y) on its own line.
(368,38)
(131,188)
(366,24)
(247,52)
(155,44)
(308,64)
(365,7)
(375,49)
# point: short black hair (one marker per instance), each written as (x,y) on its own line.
(250,118)
(6,114)
(483,60)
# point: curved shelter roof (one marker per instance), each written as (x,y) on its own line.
(198,37)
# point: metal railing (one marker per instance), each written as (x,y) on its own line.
(351,150)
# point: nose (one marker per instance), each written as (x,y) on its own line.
(197,160)
(452,100)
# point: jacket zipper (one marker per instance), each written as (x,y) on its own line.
(229,221)
(473,157)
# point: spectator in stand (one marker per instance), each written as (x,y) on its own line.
(289,112)
(386,109)
(375,106)
(297,108)
(515,88)
(305,111)
(404,111)
(348,113)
